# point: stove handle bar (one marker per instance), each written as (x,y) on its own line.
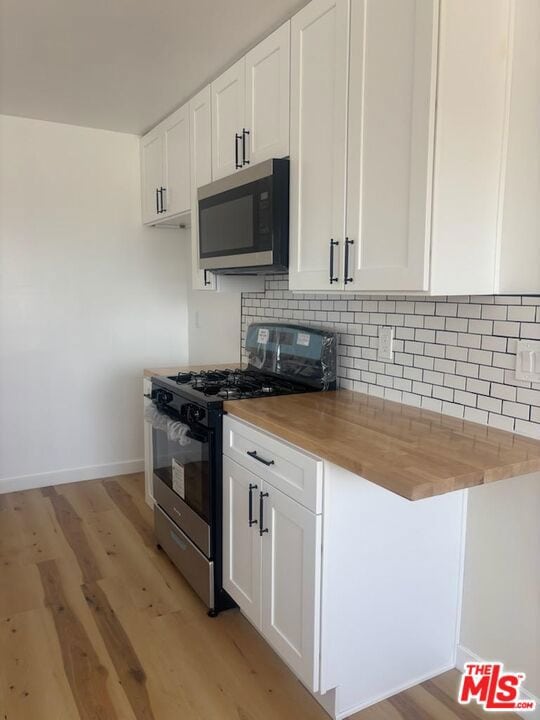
(253,454)
(194,433)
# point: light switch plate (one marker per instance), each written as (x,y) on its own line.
(528,360)
(386,343)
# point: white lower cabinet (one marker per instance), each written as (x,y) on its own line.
(291,583)
(373,610)
(271,566)
(241,541)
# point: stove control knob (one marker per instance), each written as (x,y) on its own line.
(195,413)
(164,396)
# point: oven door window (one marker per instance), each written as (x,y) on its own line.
(185,468)
(236,221)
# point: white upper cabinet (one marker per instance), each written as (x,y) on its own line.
(165,171)
(430,104)
(228,101)
(319,71)
(152,174)
(391,75)
(177,185)
(267,97)
(200,124)
(250,107)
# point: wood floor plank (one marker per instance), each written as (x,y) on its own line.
(129,509)
(135,573)
(21,589)
(134,485)
(72,528)
(86,498)
(28,532)
(86,675)
(127,664)
(32,680)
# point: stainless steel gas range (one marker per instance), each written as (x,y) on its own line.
(186,415)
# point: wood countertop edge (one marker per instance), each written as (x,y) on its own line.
(425,487)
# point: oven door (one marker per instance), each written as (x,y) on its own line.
(182,478)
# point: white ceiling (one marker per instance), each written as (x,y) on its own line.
(122,64)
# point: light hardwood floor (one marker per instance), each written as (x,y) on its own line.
(96,624)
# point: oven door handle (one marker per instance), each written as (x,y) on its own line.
(193,432)
(199,436)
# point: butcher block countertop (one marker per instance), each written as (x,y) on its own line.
(414,453)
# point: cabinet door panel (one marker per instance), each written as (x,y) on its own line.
(152,174)
(200,126)
(319,69)
(291,562)
(241,543)
(177,181)
(390,143)
(267,96)
(228,101)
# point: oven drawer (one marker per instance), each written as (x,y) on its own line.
(296,473)
(194,566)
(186,518)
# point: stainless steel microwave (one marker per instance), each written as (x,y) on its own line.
(244,221)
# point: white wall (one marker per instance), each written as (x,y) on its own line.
(214,327)
(501,599)
(88,297)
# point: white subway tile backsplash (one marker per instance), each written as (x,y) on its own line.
(452,355)
(516,410)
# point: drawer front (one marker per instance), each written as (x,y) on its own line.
(295,473)
(194,566)
(183,516)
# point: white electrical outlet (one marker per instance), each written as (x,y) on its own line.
(528,360)
(386,343)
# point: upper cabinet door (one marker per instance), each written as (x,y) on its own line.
(319,72)
(228,104)
(267,97)
(390,143)
(291,560)
(177,193)
(152,161)
(200,124)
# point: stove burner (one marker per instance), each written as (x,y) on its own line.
(183,378)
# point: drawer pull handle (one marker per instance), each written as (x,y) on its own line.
(251,520)
(262,529)
(253,454)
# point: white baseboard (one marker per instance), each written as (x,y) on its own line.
(464,655)
(342,714)
(60,477)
